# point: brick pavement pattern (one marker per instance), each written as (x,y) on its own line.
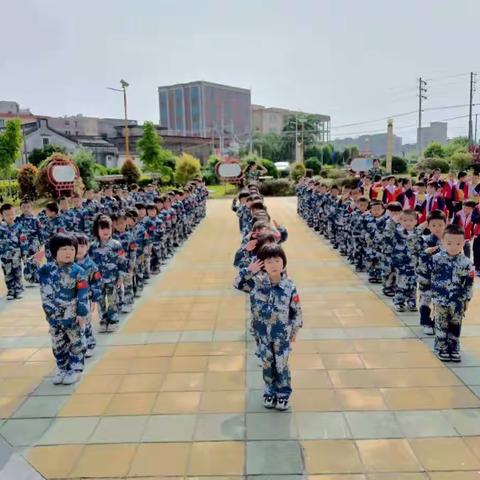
(176,392)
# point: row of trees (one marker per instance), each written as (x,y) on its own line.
(453,156)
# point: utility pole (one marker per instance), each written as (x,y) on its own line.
(123,90)
(296,138)
(422,90)
(470,122)
(476,118)
(389,145)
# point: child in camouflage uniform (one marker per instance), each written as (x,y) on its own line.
(374,226)
(394,210)
(13,246)
(64,292)
(94,278)
(277,317)
(109,257)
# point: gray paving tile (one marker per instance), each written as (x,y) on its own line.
(475,390)
(197,336)
(255,380)
(277,477)
(322,426)
(465,421)
(373,425)
(48,388)
(41,406)
(470,359)
(274,457)
(380,332)
(425,424)
(128,339)
(471,331)
(322,334)
(253,364)
(128,429)
(69,430)
(23,432)
(169,428)
(229,336)
(17,468)
(468,375)
(211,427)
(255,401)
(271,426)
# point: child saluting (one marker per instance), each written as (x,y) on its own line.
(277,317)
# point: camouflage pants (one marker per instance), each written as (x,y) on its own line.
(276,373)
(108,304)
(406,288)
(448,325)
(358,253)
(139,273)
(156,258)
(146,265)
(425,301)
(68,346)
(374,264)
(389,276)
(30,269)
(12,271)
(88,332)
(126,292)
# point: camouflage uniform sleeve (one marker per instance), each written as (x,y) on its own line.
(122,261)
(238,257)
(244,280)
(469,280)
(96,284)
(47,292)
(424,270)
(83,308)
(295,312)
(283,234)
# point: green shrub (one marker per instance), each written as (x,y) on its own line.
(131,173)
(429,164)
(461,160)
(297,171)
(9,190)
(271,168)
(187,168)
(26,180)
(337,173)
(314,164)
(277,188)
(209,177)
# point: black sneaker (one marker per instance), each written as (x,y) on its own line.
(388,292)
(455,357)
(10,296)
(269,401)
(443,355)
(282,404)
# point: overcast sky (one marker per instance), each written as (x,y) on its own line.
(355,60)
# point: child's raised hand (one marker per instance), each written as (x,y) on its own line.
(39,256)
(275,224)
(81,321)
(255,266)
(250,245)
(431,250)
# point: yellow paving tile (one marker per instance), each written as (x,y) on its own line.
(306,361)
(224,381)
(149,365)
(454,475)
(388,456)
(153,459)
(97,461)
(444,454)
(9,404)
(335,346)
(56,461)
(156,350)
(341,361)
(332,456)
(100,384)
(226,363)
(337,477)
(223,402)
(217,458)
(19,386)
(315,401)
(131,404)
(16,354)
(141,382)
(361,399)
(400,360)
(188,364)
(173,402)
(182,382)
(310,379)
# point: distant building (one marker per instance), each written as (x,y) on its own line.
(436,132)
(272,120)
(204,109)
(372,144)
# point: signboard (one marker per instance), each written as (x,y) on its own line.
(360,164)
(62,173)
(229,170)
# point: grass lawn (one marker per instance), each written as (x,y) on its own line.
(221,191)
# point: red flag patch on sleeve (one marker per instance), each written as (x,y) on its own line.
(22,237)
(472,272)
(97,276)
(296,299)
(121,253)
(82,284)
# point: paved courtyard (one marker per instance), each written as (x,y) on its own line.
(176,392)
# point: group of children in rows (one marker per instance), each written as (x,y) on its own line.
(276,315)
(99,250)
(414,239)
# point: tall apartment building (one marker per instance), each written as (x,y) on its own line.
(436,132)
(204,109)
(272,120)
(372,144)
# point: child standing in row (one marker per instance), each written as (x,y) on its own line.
(276,320)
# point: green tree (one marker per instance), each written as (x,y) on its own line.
(131,173)
(270,166)
(153,156)
(302,126)
(399,165)
(209,174)
(434,150)
(314,151)
(38,155)
(455,144)
(327,154)
(314,164)
(86,166)
(461,160)
(297,171)
(10,144)
(187,168)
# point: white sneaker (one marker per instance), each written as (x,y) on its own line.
(126,308)
(71,377)
(30,284)
(89,352)
(59,376)
(112,327)
(428,330)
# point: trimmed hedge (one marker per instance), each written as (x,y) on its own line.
(277,188)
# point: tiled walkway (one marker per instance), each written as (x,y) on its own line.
(176,393)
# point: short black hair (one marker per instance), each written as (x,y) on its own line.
(394,207)
(363,199)
(257,205)
(25,200)
(436,215)
(158,199)
(5,207)
(259,224)
(433,184)
(132,213)
(336,187)
(462,174)
(52,206)
(470,203)
(140,206)
(101,222)
(243,194)
(152,206)
(62,240)
(453,229)
(410,212)
(82,239)
(373,203)
(262,240)
(272,251)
